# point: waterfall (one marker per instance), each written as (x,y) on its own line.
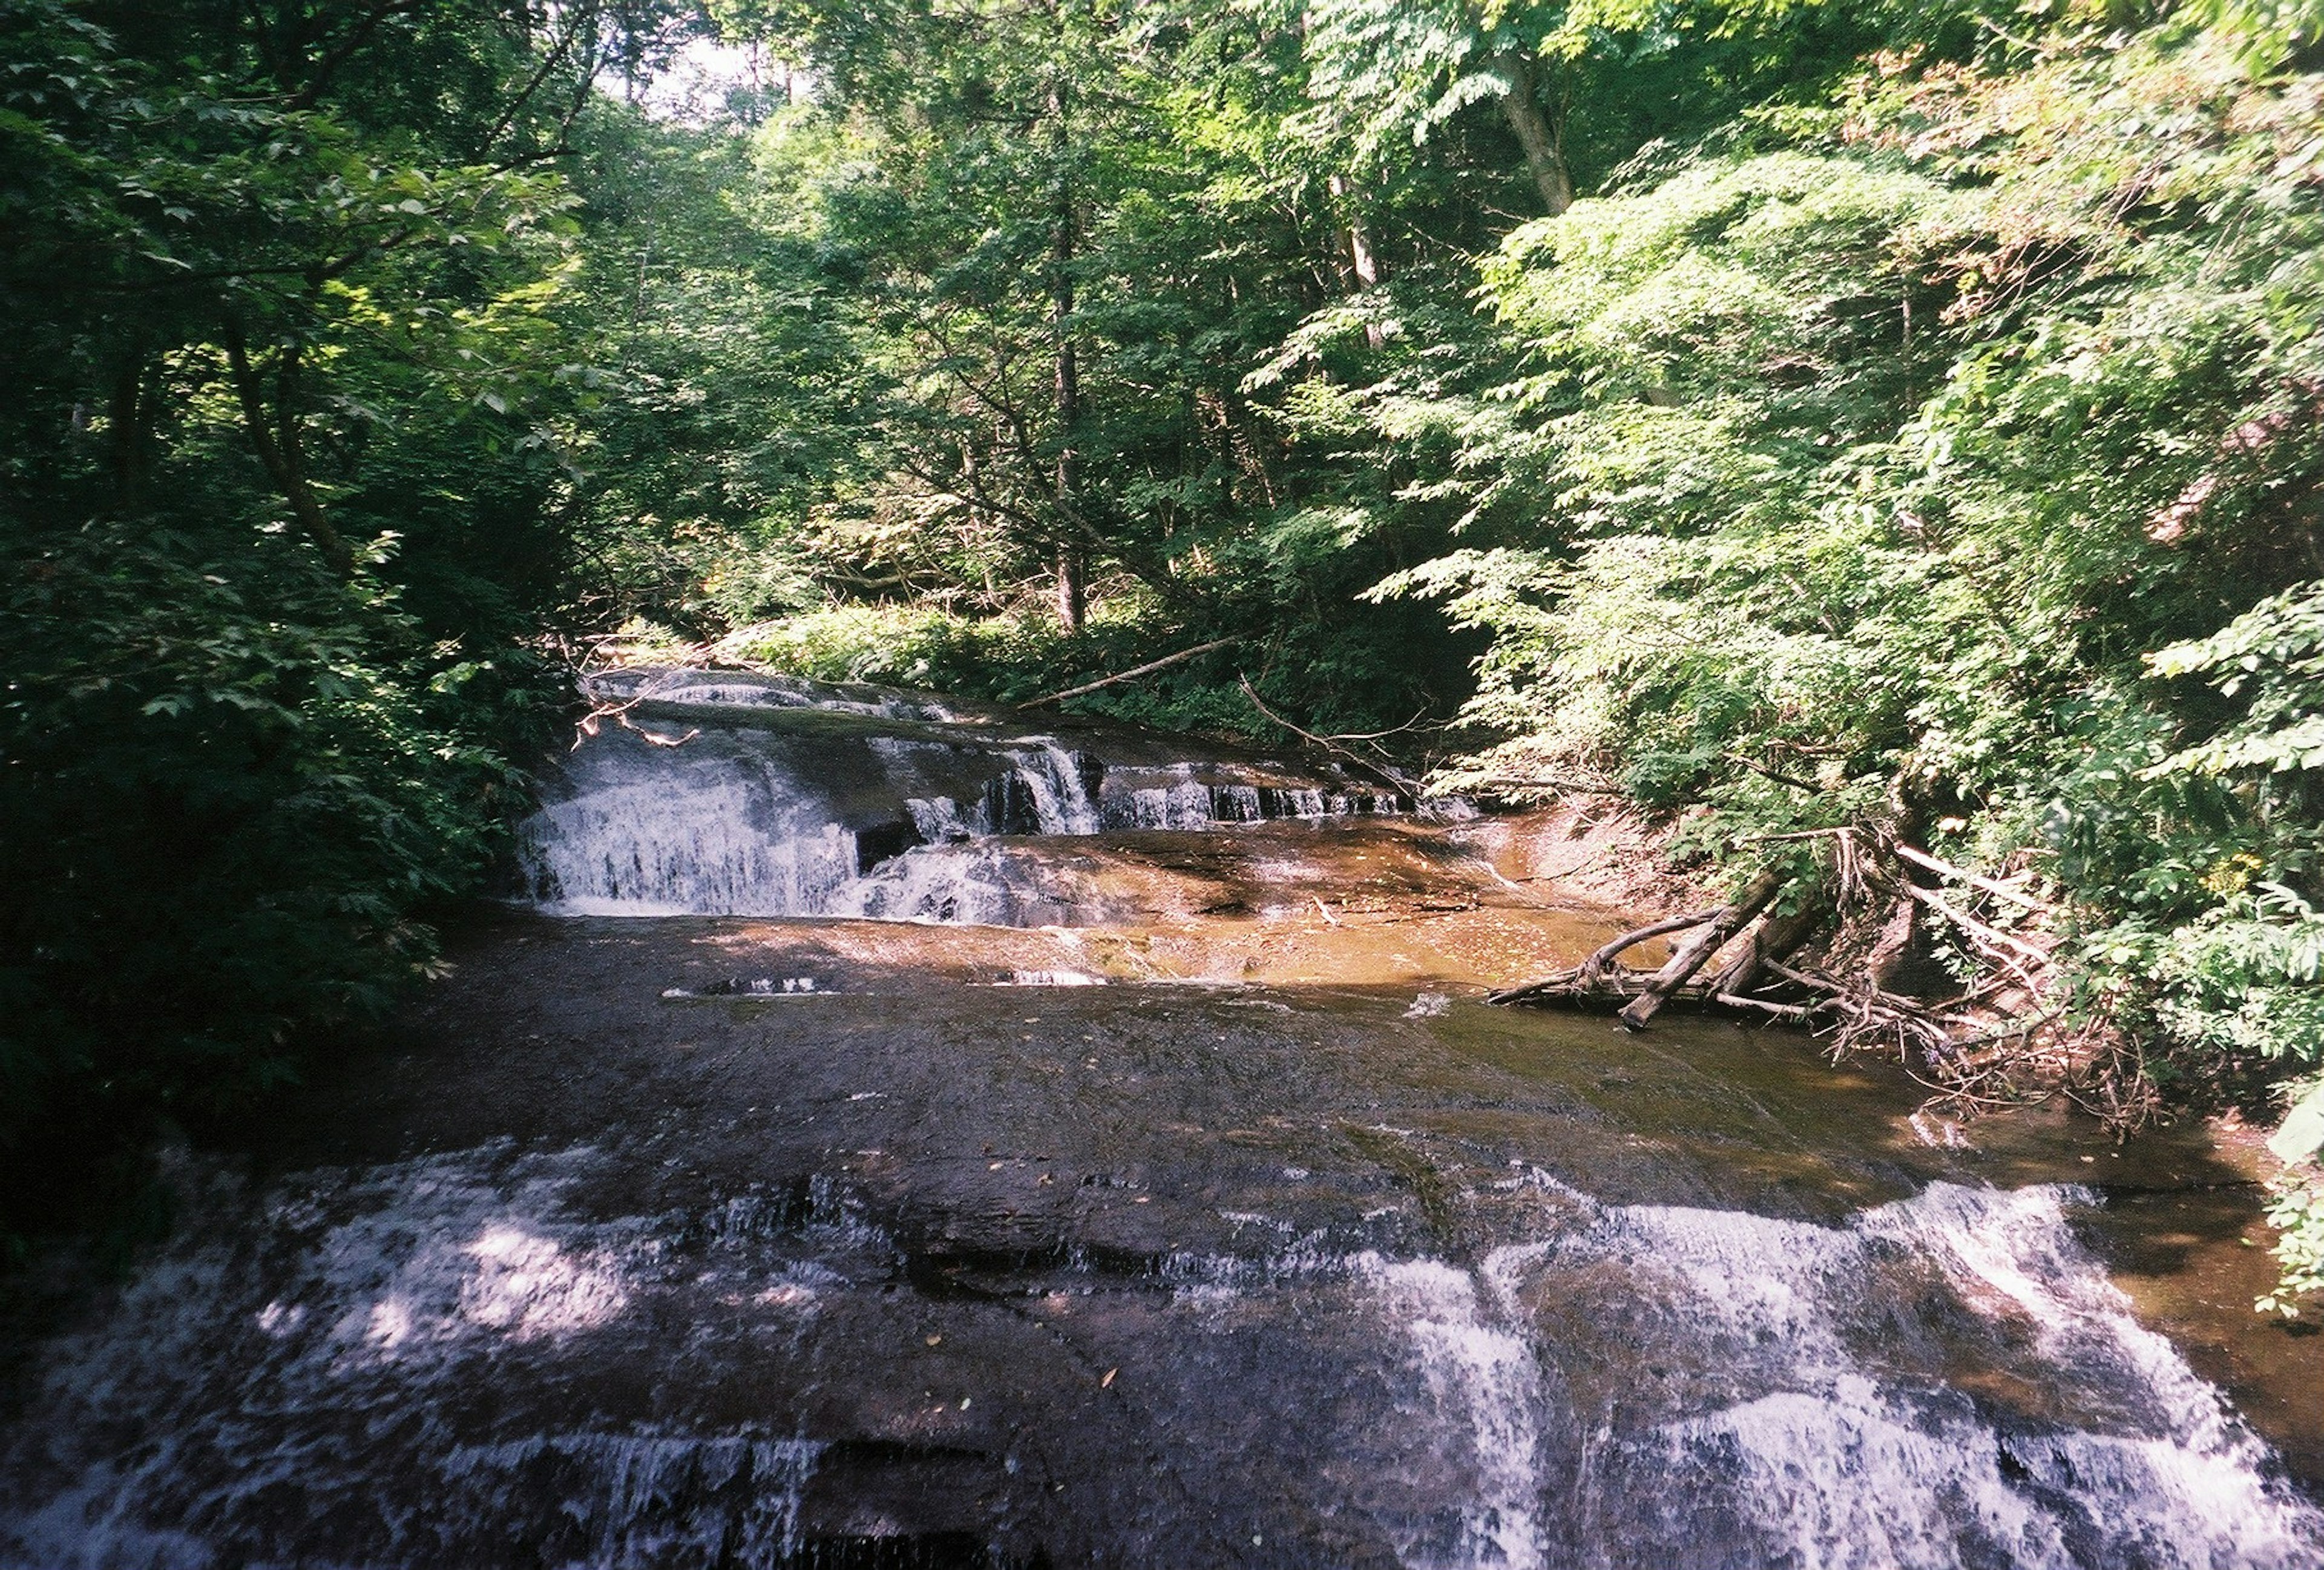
(1811,1420)
(1942,1383)
(646,1498)
(1485,1386)
(962,1253)
(684,846)
(764,796)
(1059,782)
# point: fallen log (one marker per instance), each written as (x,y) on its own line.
(1586,976)
(1984,1044)
(1773,938)
(1619,985)
(1149,669)
(1697,950)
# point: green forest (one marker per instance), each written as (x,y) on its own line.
(1828,425)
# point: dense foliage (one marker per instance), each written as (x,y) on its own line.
(1800,417)
(1954,472)
(277,535)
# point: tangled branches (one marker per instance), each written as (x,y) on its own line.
(1955,973)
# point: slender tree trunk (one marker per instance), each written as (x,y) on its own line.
(1363,263)
(645,266)
(1073,587)
(1544,154)
(125,417)
(278,448)
(1073,559)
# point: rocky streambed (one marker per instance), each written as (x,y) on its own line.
(1216,1224)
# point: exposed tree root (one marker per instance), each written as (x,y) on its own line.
(2001,1035)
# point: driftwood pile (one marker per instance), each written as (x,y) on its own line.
(1827,960)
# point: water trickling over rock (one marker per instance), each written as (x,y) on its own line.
(726,794)
(737,1244)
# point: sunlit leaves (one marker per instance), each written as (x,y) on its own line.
(1959,478)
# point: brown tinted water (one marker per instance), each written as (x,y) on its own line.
(1232,1231)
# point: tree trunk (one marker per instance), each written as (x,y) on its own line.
(1363,263)
(125,416)
(279,448)
(1073,587)
(1543,154)
(1072,562)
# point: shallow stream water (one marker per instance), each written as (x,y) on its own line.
(1219,1224)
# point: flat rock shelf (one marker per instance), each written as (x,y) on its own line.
(1222,1222)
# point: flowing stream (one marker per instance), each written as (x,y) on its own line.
(1160,1196)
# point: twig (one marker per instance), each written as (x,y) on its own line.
(1963,1094)
(1781,778)
(1788,1011)
(1814,984)
(1584,977)
(1921,858)
(2019,1028)
(1403,791)
(1545,782)
(586,725)
(1968,923)
(1593,854)
(1375,735)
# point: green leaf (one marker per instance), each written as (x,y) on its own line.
(2301,1134)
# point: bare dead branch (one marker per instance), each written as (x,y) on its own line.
(1921,858)
(1146,669)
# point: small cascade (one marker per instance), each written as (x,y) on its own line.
(1483,1379)
(1062,786)
(769,795)
(643,1499)
(719,847)
(1817,1424)
(408,1286)
(1191,802)
(1938,1383)
(977,883)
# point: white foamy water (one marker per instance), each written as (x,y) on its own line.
(423,1363)
(330,1367)
(1789,1393)
(1486,1388)
(725,848)
(722,845)
(1060,795)
(1845,1445)
(639,1500)
(734,820)
(1190,802)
